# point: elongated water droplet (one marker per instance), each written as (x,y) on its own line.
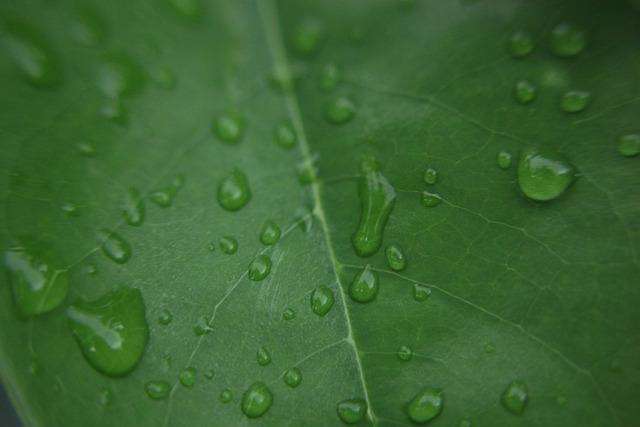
(351,411)
(233,191)
(504,159)
(521,44)
(133,207)
(226,396)
(263,357)
(157,389)
(421,292)
(120,75)
(188,377)
(293,377)
(70,208)
(270,233)
(285,135)
(111,331)
(340,110)
(568,39)
(524,91)
(405,353)
(115,247)
(329,77)
(202,327)
(395,258)
(228,245)
(364,287)
(575,101)
(105,397)
(430,200)
(515,397)
(308,37)
(425,406)
(229,127)
(288,314)
(322,300)
(377,198)
(256,400)
(38,281)
(31,54)
(165,317)
(430,176)
(544,174)
(260,268)
(629,145)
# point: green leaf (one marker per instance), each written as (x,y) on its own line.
(148,144)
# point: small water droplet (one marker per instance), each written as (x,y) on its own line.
(233,191)
(256,400)
(304,218)
(425,406)
(430,200)
(115,247)
(209,374)
(157,389)
(515,397)
(188,377)
(575,101)
(263,357)
(340,110)
(34,367)
(568,39)
(629,145)
(396,258)
(111,331)
(322,300)
(70,208)
(544,174)
(364,287)
(288,314)
(270,233)
(167,359)
(228,245)
(421,292)
(405,353)
(614,366)
(285,135)
(203,326)
(120,75)
(524,91)
(308,37)
(504,159)
(133,207)
(229,127)
(226,396)
(351,411)
(31,55)
(293,377)
(260,268)
(329,77)
(86,149)
(430,176)
(488,348)
(211,247)
(521,44)
(91,269)
(105,397)
(165,317)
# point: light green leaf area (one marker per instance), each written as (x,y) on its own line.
(129,117)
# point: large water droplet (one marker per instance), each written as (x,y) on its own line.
(395,258)
(430,176)
(260,268)
(133,207)
(285,135)
(165,317)
(31,55)
(568,39)
(405,353)
(38,282)
(322,299)
(115,247)
(524,91)
(521,44)
(112,331)
(293,377)
(544,174)
(233,191)
(425,406)
(629,145)
(228,245)
(263,357)
(157,389)
(340,110)
(288,314)
(308,37)
(120,75)
(575,101)
(515,397)
(229,127)
(504,159)
(377,198)
(421,292)
(351,411)
(430,200)
(188,377)
(364,287)
(329,77)
(226,396)
(256,400)
(270,233)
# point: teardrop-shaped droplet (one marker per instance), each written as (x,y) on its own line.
(351,411)
(304,218)
(270,233)
(340,110)
(111,331)
(288,314)
(203,326)
(228,245)
(115,247)
(120,75)
(430,176)
(71,208)
(188,377)
(165,317)
(285,135)
(322,300)
(629,145)
(405,353)
(256,400)
(521,44)
(568,39)
(364,287)
(308,37)
(260,268)
(575,101)
(396,258)
(544,174)
(233,191)
(425,406)
(524,91)
(430,200)
(329,77)
(226,396)
(158,389)
(263,357)
(515,397)
(421,292)
(229,127)
(133,207)
(504,159)
(293,377)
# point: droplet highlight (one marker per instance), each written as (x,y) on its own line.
(395,258)
(629,145)
(515,397)
(256,400)
(544,174)
(568,39)
(115,247)
(70,208)
(575,101)
(322,300)
(364,287)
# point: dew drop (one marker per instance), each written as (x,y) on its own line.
(203,326)
(322,300)
(568,39)
(340,110)
(308,170)
(515,397)
(464,423)
(430,200)
(165,317)
(425,406)
(288,314)
(421,292)
(263,357)
(115,247)
(304,218)
(270,233)
(209,374)
(120,75)
(351,411)
(256,400)
(293,377)
(70,208)
(228,245)
(111,331)
(575,101)
(504,159)
(188,377)
(105,397)
(396,258)
(629,145)
(430,176)
(233,191)
(544,174)
(86,149)
(285,135)
(31,55)
(91,269)
(521,44)
(133,207)
(308,37)
(165,196)
(524,91)
(260,268)
(157,389)
(329,77)
(405,353)
(364,287)
(229,127)
(226,396)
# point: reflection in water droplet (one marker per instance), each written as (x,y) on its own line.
(263,357)
(256,400)
(115,247)
(568,39)
(229,127)
(430,200)
(270,233)
(405,353)
(322,300)
(329,77)
(524,91)
(340,110)
(288,314)
(575,101)
(226,396)
(544,174)
(504,159)
(515,397)
(70,208)
(308,37)
(351,411)
(188,377)
(228,245)
(521,44)
(425,406)
(233,191)
(285,135)
(260,268)
(293,377)
(165,317)
(120,75)
(629,145)
(133,207)
(421,292)
(396,258)
(157,389)
(364,287)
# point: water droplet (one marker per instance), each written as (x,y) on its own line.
(270,233)
(209,374)
(165,317)
(157,389)
(31,55)
(263,357)
(544,174)
(340,110)
(561,400)
(430,200)
(425,406)
(364,287)
(629,145)
(329,77)
(524,91)
(515,397)
(105,397)
(120,75)
(133,207)
(188,377)
(38,282)
(228,245)
(405,353)
(421,292)
(233,191)
(568,39)
(260,268)
(91,269)
(521,44)
(288,314)
(575,101)
(504,159)
(70,208)
(202,327)
(285,135)
(488,348)
(377,198)
(34,367)
(395,258)
(115,247)
(308,37)
(229,127)
(226,396)
(430,176)
(86,149)
(111,331)
(322,300)
(308,170)
(256,400)
(293,377)
(351,411)
(304,218)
